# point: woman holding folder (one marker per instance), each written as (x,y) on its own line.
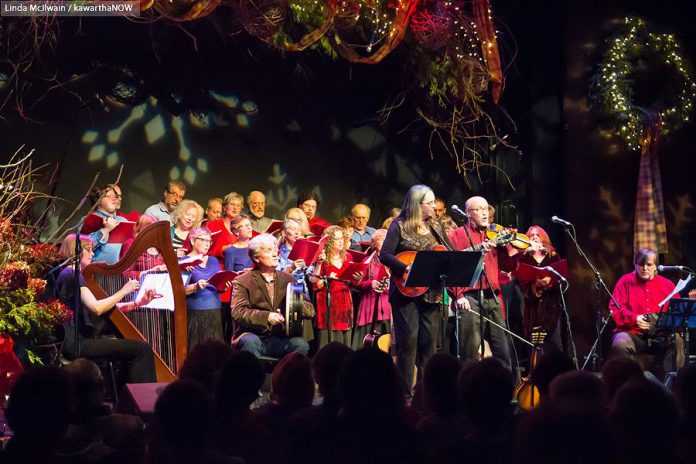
(202,299)
(331,263)
(542,297)
(373,295)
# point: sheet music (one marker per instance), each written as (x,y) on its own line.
(681,285)
(162,285)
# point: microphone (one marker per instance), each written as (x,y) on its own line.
(662,268)
(456,209)
(556,273)
(558,220)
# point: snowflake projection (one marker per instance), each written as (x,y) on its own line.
(282,196)
(105,145)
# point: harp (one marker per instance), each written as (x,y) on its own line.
(164,329)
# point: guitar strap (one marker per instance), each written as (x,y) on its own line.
(437,229)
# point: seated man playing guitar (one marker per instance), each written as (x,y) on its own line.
(637,294)
(260,301)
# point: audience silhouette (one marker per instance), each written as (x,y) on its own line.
(356,413)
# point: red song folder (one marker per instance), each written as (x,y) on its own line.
(184,265)
(273,227)
(132,216)
(307,250)
(350,269)
(220,279)
(527,273)
(119,234)
(357,256)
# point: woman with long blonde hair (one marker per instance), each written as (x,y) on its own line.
(415,319)
(330,263)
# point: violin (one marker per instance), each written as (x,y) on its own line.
(509,235)
(514,238)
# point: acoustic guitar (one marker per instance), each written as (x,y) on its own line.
(407,257)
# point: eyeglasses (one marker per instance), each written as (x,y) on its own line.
(204,240)
(88,249)
(478,210)
(175,195)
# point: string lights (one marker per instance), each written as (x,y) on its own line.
(614,78)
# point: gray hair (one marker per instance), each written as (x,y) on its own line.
(260,242)
(288,221)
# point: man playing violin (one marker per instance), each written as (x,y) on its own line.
(476,209)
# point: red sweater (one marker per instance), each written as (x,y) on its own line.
(221,237)
(317,225)
(494,260)
(637,297)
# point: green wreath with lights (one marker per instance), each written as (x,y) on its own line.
(612,86)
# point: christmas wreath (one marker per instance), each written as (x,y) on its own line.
(613,83)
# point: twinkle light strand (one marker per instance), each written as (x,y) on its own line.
(614,78)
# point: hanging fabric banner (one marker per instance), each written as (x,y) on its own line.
(650,229)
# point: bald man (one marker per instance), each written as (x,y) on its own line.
(361,216)
(495,258)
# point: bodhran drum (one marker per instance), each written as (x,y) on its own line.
(294,296)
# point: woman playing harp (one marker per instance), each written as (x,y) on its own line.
(137,354)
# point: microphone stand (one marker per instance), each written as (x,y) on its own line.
(599,285)
(76,291)
(479,293)
(68,261)
(327,283)
(564,308)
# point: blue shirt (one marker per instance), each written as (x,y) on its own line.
(103,251)
(208,297)
(357,237)
(237,259)
(159,211)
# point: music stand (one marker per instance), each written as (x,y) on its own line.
(446,269)
(680,315)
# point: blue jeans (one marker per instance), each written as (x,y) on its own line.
(273,346)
